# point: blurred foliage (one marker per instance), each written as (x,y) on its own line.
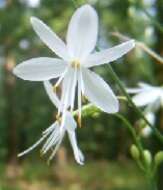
(115,176)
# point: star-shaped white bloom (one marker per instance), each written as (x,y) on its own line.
(149,96)
(54,135)
(75,59)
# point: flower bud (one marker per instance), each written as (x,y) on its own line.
(135,152)
(158,158)
(147,157)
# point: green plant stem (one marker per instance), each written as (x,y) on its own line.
(135,138)
(130,129)
(138,111)
(153,20)
(152,183)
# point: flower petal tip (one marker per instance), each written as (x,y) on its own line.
(87,8)
(132,42)
(15,71)
(33,19)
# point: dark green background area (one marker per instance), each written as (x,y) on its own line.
(25,110)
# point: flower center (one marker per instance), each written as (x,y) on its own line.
(75,64)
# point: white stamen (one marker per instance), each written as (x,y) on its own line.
(79,94)
(73,89)
(33,146)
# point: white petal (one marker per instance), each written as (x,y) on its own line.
(98,92)
(40,69)
(67,90)
(77,152)
(161,95)
(109,55)
(70,126)
(50,38)
(134,90)
(70,122)
(144,85)
(150,116)
(82,32)
(52,95)
(146,97)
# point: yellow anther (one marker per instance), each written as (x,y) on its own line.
(55,88)
(79,121)
(58,118)
(75,64)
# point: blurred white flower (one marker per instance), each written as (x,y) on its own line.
(31,3)
(146,130)
(54,135)
(72,67)
(24,44)
(149,96)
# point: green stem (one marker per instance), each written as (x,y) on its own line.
(135,138)
(152,19)
(138,111)
(152,183)
(130,129)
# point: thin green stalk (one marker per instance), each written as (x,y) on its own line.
(138,111)
(153,20)
(152,183)
(135,138)
(130,129)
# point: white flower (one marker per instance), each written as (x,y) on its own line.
(149,96)
(75,59)
(54,134)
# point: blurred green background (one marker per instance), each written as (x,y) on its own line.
(25,110)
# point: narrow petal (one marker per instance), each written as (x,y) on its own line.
(77,152)
(82,32)
(134,90)
(40,69)
(70,126)
(144,85)
(52,95)
(98,92)
(50,38)
(109,55)
(146,97)
(70,122)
